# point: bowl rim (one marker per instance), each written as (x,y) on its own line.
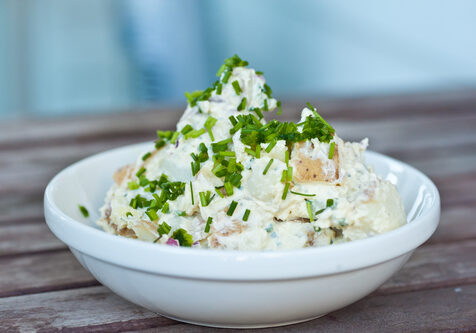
(240,265)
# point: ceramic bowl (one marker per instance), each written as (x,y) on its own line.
(234,288)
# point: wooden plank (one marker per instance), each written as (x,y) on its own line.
(41,272)
(457,189)
(24,238)
(31,208)
(434,265)
(71,310)
(456,223)
(37,132)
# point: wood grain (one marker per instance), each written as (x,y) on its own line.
(42,272)
(43,287)
(71,311)
(438,265)
(25,238)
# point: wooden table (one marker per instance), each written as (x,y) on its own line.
(43,287)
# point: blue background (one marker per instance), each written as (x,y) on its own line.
(90,56)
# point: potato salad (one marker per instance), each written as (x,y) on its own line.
(228,179)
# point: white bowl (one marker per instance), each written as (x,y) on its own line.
(234,288)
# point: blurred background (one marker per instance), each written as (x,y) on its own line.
(95,56)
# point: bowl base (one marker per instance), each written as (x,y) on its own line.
(243,326)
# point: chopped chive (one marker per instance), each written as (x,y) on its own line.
(187,128)
(210,134)
(159,144)
(303,194)
(271,146)
(242,104)
(140,172)
(219,193)
(132,185)
(181,213)
(259,72)
(267,90)
(258,112)
(203,200)
(233,120)
(83,211)
(174,137)
(268,166)
(228,188)
(284,176)
(286,157)
(222,68)
(226,77)
(246,215)
(285,192)
(183,237)
(289,176)
(331,150)
(219,87)
(265,105)
(258,151)
(143,181)
(195,167)
(237,87)
(309,210)
(227,153)
(232,207)
(165,208)
(152,214)
(207,226)
(146,156)
(250,151)
(163,229)
(210,122)
(329,203)
(191,192)
(128,214)
(280,108)
(195,133)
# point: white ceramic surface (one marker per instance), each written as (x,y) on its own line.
(231,288)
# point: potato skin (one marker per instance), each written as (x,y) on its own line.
(122,173)
(308,170)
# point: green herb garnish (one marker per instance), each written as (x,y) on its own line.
(246,215)
(242,104)
(163,229)
(146,156)
(331,150)
(232,207)
(303,194)
(83,211)
(183,237)
(285,192)
(152,214)
(268,166)
(309,210)
(140,172)
(237,87)
(207,226)
(132,185)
